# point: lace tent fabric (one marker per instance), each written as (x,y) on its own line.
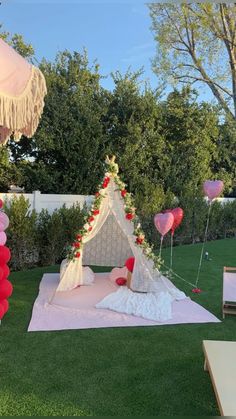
(22,92)
(146,278)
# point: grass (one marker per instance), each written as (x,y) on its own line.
(114,372)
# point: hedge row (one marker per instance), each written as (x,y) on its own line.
(41,239)
(222,222)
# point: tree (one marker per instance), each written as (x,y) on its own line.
(196,43)
(18,43)
(9,173)
(133,123)
(68,150)
(191,132)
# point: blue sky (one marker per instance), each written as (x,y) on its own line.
(116,33)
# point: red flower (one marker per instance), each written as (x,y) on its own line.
(77,245)
(97,194)
(196,290)
(96,212)
(106,180)
(77,255)
(90,228)
(91,219)
(123,192)
(139,240)
(79,237)
(129,216)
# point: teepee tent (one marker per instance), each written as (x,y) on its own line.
(22,91)
(113,222)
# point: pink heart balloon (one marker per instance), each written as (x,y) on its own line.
(213,188)
(3,238)
(163,222)
(4,221)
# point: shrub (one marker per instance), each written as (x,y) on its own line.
(22,233)
(40,239)
(56,231)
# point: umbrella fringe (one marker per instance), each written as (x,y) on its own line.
(19,115)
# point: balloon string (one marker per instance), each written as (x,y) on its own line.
(161,246)
(203,244)
(178,276)
(171,251)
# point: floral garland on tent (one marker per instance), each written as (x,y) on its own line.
(112,171)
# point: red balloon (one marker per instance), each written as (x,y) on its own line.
(5,305)
(1,274)
(5,254)
(129,263)
(2,312)
(178,214)
(6,289)
(6,271)
(1,203)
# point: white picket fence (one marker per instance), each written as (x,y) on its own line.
(50,202)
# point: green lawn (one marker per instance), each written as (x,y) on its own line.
(120,371)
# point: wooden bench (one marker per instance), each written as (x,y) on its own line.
(229,291)
(220,361)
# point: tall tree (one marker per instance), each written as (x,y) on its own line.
(68,150)
(196,43)
(133,125)
(191,132)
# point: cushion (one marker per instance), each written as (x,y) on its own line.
(129,263)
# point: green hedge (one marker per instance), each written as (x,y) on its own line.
(41,239)
(222,222)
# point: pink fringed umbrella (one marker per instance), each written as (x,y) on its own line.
(22,91)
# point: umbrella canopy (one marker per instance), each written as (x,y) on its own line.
(22,92)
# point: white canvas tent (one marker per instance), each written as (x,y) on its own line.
(112,227)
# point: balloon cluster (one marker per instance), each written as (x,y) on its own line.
(168,220)
(5,255)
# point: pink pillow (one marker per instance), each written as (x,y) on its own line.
(121,281)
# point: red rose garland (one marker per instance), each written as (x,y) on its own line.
(129,216)
(77,244)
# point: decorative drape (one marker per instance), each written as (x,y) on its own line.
(22,92)
(145,277)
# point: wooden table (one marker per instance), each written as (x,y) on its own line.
(220,361)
